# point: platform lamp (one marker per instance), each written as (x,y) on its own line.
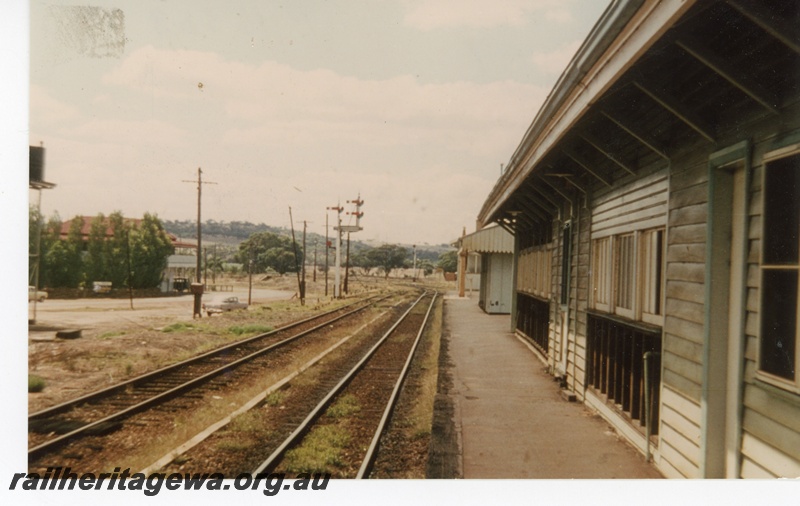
(36,182)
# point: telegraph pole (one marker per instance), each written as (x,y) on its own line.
(415,262)
(347,264)
(327,253)
(197,290)
(314,274)
(303,286)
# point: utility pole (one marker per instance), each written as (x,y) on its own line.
(327,253)
(414,246)
(300,287)
(462,265)
(303,284)
(250,277)
(197,290)
(347,264)
(314,274)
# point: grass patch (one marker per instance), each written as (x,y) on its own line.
(179,327)
(35,383)
(275,398)
(422,413)
(232,446)
(109,335)
(320,452)
(249,329)
(345,406)
(246,422)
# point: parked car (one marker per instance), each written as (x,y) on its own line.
(226,304)
(34,294)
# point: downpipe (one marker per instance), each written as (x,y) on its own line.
(647,411)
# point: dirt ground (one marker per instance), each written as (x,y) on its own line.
(118,342)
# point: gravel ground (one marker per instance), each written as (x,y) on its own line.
(118,342)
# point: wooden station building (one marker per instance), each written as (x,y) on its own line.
(655,208)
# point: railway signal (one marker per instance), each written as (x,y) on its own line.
(339,228)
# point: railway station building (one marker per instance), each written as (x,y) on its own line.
(654,203)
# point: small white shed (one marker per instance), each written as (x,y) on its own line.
(495,245)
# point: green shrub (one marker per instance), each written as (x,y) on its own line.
(35,383)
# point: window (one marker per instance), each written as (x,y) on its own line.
(628,275)
(601,274)
(652,275)
(624,275)
(778,354)
(533,271)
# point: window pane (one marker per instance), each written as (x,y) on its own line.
(652,268)
(623,281)
(778,322)
(782,211)
(601,271)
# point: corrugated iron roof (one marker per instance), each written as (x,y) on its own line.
(489,240)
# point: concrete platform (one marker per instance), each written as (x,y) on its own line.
(509,419)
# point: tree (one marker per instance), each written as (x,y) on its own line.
(116,250)
(388,257)
(95,261)
(426,266)
(362,260)
(270,250)
(150,248)
(448,261)
(216,264)
(64,258)
(50,231)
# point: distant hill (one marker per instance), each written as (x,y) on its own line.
(232,233)
(225,232)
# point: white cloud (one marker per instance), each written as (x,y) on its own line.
(554,62)
(435,14)
(424,156)
(277,104)
(49,110)
(559,15)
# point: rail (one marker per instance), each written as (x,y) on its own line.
(232,356)
(303,427)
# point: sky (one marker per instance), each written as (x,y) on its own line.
(411,104)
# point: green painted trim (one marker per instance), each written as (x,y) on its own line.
(717,160)
(784,139)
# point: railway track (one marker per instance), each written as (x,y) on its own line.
(373,384)
(369,373)
(103,411)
